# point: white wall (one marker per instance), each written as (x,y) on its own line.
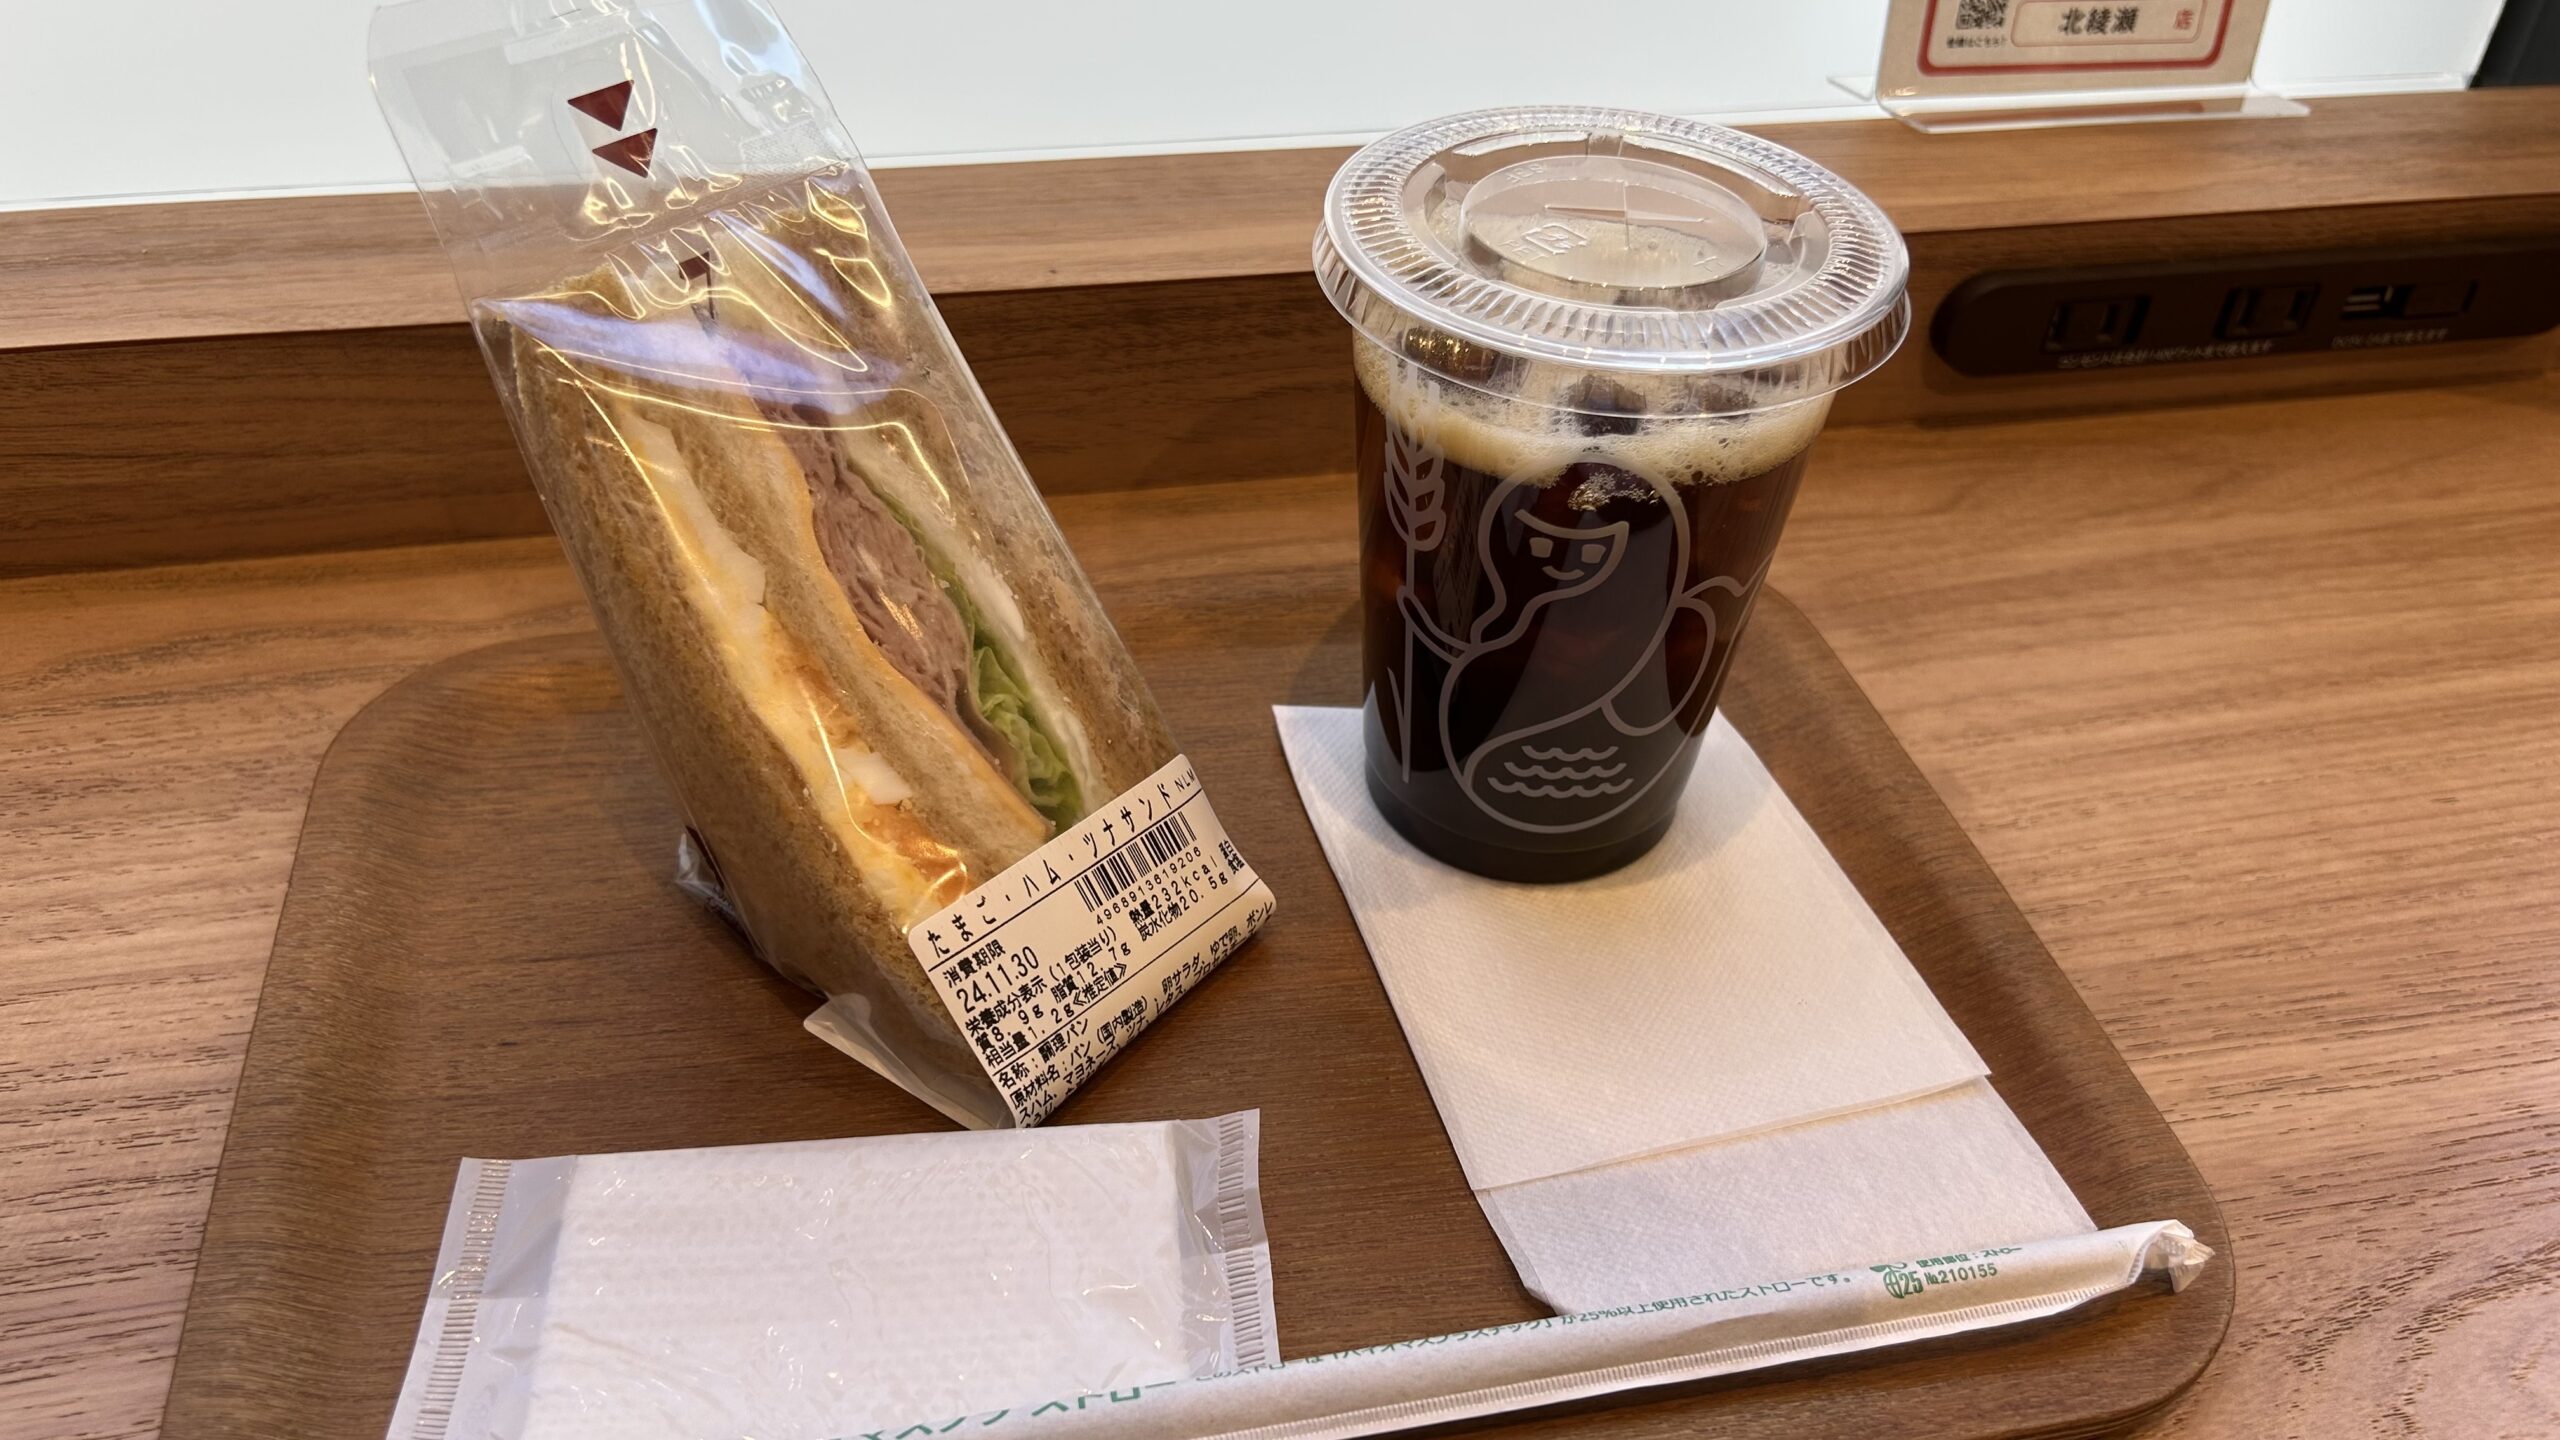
(182,97)
(2317,47)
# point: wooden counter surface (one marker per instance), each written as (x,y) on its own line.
(2251,707)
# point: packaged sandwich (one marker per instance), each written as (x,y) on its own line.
(920,771)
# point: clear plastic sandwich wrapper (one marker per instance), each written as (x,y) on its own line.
(818,1288)
(886,697)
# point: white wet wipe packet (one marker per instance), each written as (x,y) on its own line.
(1715,1063)
(822,1288)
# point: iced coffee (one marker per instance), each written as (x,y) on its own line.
(1593,350)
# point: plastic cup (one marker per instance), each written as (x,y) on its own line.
(1594,348)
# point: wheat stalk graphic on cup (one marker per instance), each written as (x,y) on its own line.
(1417,501)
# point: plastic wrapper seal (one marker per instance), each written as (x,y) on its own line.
(825,1287)
(859,647)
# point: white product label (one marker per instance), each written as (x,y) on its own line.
(1051,967)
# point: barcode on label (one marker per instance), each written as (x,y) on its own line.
(1132,862)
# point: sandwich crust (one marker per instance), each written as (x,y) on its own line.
(824,884)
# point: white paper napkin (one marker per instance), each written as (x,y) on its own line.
(1950,1171)
(1731,981)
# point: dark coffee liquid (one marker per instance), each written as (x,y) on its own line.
(1541,652)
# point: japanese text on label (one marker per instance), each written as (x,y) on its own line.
(1051,967)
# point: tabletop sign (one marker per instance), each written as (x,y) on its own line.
(2023,47)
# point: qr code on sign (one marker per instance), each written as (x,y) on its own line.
(1982,14)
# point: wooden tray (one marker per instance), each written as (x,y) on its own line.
(481,954)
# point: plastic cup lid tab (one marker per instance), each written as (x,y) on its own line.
(1616,240)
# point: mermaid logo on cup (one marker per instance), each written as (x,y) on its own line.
(1557,705)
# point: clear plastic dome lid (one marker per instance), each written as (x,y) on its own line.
(1616,240)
